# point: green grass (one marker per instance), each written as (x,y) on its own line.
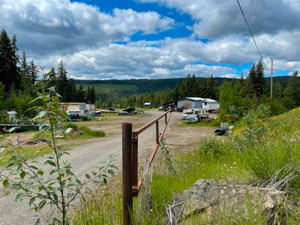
(261,149)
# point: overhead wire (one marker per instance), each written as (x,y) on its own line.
(259,21)
(251,33)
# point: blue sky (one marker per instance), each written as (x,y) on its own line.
(128,39)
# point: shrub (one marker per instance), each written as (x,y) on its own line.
(93,133)
(70,125)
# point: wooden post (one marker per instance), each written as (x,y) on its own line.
(127,172)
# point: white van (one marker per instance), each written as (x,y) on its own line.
(199,112)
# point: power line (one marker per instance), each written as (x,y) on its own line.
(250,31)
(260,22)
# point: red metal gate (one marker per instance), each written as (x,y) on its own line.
(130,183)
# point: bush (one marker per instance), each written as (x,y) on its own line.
(93,133)
(70,125)
(210,146)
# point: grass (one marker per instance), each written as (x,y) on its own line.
(84,133)
(261,148)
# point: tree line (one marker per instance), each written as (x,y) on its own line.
(235,96)
(18,76)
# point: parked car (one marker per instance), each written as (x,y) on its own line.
(77,115)
(180,109)
(111,109)
(161,108)
(124,113)
(192,119)
(199,112)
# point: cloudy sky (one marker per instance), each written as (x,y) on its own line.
(124,39)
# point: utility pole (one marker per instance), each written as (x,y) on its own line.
(271,80)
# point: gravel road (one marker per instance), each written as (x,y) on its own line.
(86,156)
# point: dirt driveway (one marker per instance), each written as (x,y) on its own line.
(91,152)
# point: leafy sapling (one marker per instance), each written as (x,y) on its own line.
(48,181)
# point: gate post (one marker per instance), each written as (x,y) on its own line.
(127,172)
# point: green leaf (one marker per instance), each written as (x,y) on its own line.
(87,176)
(42,204)
(111,172)
(5,182)
(51,163)
(38,222)
(31,201)
(42,124)
(78,182)
(40,172)
(22,174)
(11,130)
(19,198)
(2,149)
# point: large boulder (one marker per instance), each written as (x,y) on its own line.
(211,200)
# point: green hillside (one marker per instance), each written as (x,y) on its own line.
(128,87)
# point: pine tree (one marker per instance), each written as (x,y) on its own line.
(62,80)
(24,72)
(8,68)
(210,88)
(88,95)
(81,94)
(93,96)
(32,72)
(249,89)
(260,81)
(71,91)
(292,90)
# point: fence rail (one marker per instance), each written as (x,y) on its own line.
(130,183)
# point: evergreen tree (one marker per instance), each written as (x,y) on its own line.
(292,90)
(62,80)
(8,68)
(81,94)
(71,91)
(93,95)
(249,89)
(24,72)
(260,81)
(88,95)
(32,72)
(210,88)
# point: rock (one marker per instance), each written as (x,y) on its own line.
(210,199)
(71,130)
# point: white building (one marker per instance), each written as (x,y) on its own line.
(196,102)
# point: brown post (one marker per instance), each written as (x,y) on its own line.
(157,132)
(127,167)
(166,118)
(135,153)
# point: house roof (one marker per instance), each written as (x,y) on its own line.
(147,103)
(201,99)
(11,112)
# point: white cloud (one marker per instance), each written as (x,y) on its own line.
(216,18)
(45,26)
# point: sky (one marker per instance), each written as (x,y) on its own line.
(136,39)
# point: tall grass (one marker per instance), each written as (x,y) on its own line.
(261,148)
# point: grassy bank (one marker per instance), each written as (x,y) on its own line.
(264,150)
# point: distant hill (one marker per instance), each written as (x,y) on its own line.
(128,87)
